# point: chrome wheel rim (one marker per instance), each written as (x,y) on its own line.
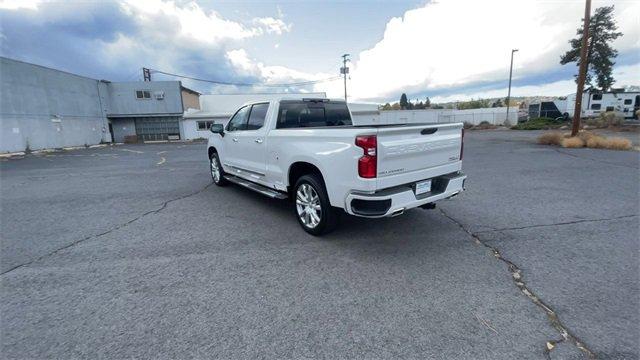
(308,206)
(215,169)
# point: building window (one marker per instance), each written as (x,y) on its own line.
(204,125)
(596,97)
(143,94)
(610,108)
(595,106)
(628,101)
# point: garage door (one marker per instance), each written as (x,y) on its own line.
(157,128)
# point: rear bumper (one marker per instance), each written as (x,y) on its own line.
(396,200)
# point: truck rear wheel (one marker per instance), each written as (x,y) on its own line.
(312,207)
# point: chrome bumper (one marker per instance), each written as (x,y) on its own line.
(394,201)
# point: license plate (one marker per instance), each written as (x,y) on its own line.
(423,187)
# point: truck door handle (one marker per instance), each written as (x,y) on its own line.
(258,140)
(235,139)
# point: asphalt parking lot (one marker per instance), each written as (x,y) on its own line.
(129,251)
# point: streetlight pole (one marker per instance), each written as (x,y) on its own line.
(510,74)
(345,70)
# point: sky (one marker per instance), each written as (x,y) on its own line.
(448,50)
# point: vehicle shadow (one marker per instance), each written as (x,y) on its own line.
(415,226)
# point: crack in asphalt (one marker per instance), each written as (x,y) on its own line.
(556,224)
(117,227)
(518,279)
(592,159)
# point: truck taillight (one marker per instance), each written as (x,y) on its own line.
(462,144)
(368,163)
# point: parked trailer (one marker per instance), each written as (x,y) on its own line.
(625,104)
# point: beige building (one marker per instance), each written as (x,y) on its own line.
(190,98)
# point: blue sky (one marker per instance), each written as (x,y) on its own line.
(448,50)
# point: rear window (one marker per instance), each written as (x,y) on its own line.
(301,114)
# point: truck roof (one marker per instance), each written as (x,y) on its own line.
(293,97)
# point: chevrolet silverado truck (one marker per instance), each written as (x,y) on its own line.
(308,150)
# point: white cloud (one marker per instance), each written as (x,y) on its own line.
(272,25)
(177,34)
(193,23)
(457,42)
(268,73)
(20,4)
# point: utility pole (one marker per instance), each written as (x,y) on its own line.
(146,74)
(582,73)
(510,74)
(344,70)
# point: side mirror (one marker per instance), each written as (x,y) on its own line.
(217,129)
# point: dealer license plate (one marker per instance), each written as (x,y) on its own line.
(423,187)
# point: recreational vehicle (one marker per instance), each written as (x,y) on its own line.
(626,104)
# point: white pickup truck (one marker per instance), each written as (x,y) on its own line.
(309,150)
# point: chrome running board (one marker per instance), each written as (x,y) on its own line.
(256,187)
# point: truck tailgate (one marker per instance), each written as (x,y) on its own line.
(417,152)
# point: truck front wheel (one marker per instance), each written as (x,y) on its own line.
(217,173)
(313,209)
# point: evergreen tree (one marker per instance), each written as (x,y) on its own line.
(600,54)
(404,104)
(427,103)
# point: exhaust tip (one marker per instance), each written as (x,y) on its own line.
(397,212)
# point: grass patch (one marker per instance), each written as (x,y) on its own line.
(616,143)
(551,138)
(584,138)
(572,142)
(539,124)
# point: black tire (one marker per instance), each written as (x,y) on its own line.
(213,160)
(329,216)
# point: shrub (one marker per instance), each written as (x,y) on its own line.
(585,138)
(467,125)
(597,142)
(586,135)
(485,125)
(539,124)
(551,138)
(572,142)
(617,143)
(606,119)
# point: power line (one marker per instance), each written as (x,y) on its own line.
(244,84)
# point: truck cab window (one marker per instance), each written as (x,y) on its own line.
(301,114)
(239,120)
(257,116)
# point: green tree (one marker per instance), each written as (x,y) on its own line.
(404,104)
(386,106)
(600,54)
(474,104)
(427,103)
